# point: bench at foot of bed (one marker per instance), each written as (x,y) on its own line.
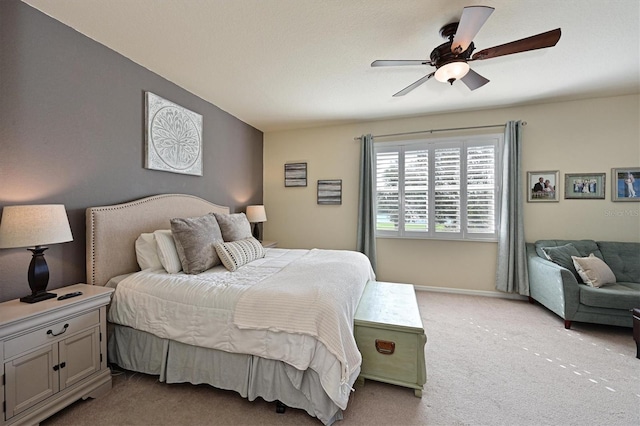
(390,336)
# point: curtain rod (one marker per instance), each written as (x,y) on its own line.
(524,123)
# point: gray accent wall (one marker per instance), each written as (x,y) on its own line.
(72,132)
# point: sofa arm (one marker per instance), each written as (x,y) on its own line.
(552,285)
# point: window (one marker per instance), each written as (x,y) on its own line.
(444,188)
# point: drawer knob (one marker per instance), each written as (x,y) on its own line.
(64,328)
(385,347)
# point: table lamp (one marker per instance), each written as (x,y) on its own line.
(256,215)
(35,226)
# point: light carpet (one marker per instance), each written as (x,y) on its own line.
(489,361)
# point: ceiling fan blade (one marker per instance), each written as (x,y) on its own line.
(473,18)
(414,85)
(395,63)
(540,41)
(473,80)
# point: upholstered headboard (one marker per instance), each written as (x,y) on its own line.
(113,230)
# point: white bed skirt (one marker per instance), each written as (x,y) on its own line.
(176,362)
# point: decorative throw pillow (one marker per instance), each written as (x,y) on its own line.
(195,238)
(167,251)
(238,253)
(147,252)
(234,227)
(561,255)
(594,271)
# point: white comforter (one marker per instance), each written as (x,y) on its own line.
(199,310)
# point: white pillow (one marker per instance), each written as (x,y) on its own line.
(593,271)
(235,254)
(167,251)
(147,252)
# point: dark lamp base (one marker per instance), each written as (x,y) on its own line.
(256,231)
(38,297)
(38,275)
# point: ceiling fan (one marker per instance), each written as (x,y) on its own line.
(452,58)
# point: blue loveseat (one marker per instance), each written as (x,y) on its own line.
(560,288)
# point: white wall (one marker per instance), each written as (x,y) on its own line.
(587,136)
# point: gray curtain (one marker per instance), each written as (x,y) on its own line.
(366,241)
(512,276)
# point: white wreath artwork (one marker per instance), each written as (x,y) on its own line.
(173,137)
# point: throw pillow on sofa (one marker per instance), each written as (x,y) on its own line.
(562,255)
(593,271)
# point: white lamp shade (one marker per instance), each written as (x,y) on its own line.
(256,214)
(452,70)
(35,225)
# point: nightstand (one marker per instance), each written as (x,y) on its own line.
(269,244)
(53,353)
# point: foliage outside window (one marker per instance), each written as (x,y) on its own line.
(444,188)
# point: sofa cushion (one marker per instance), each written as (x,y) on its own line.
(584,247)
(632,286)
(615,296)
(563,256)
(623,259)
(593,271)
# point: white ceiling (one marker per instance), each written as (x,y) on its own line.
(280,64)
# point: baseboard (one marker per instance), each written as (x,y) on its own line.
(468,292)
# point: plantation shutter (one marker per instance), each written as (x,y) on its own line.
(447,190)
(481,194)
(387,191)
(416,191)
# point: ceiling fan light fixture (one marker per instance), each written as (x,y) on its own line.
(452,71)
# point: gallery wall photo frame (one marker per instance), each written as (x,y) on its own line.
(584,186)
(543,186)
(330,192)
(173,137)
(295,174)
(625,183)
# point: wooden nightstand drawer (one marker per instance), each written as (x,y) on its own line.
(49,333)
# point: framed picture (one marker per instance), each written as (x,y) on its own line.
(542,186)
(330,192)
(173,137)
(295,174)
(626,184)
(584,186)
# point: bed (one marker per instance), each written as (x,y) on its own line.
(267,328)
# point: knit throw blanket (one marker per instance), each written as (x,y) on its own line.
(316,296)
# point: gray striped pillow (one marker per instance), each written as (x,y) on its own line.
(238,253)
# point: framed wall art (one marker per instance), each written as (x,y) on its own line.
(543,186)
(295,174)
(626,184)
(173,137)
(330,192)
(584,186)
